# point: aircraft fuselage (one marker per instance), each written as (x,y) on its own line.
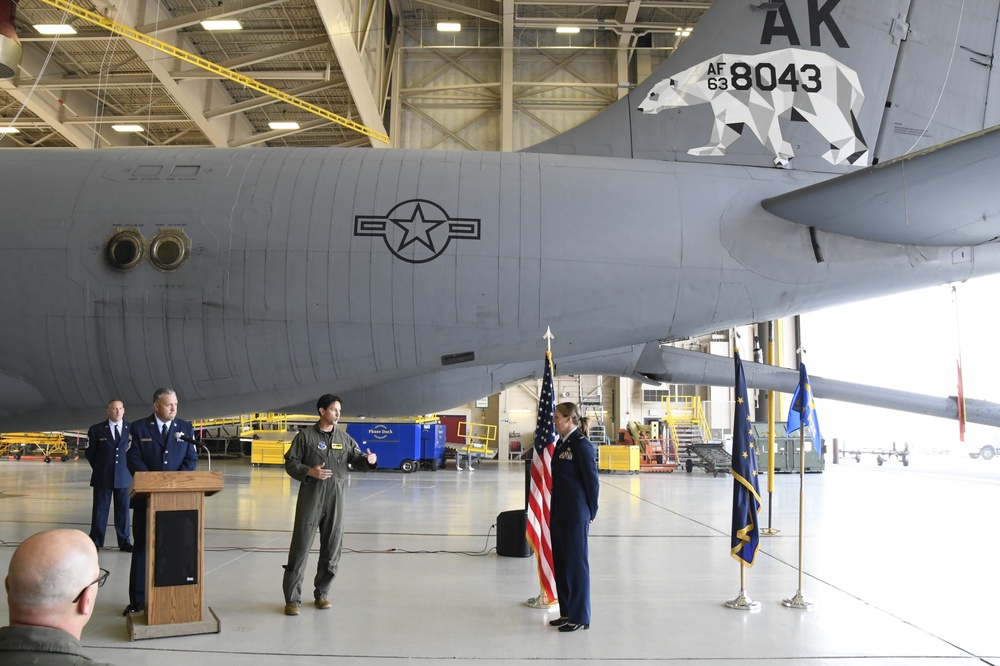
(339,270)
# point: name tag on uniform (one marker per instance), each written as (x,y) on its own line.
(147,439)
(336,446)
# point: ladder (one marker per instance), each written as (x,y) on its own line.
(592,407)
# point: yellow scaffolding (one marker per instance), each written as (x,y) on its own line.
(181,54)
(478,439)
(48,445)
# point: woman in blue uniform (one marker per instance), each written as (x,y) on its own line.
(573,509)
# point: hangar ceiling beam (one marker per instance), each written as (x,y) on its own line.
(277,52)
(274,75)
(190,96)
(144,42)
(341,36)
(626,41)
(389,67)
(54,107)
(507,79)
(56,82)
(222,11)
(468,11)
(259,102)
(649,4)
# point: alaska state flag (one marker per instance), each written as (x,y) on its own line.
(802,413)
(746,494)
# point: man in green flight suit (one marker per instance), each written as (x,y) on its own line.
(318,459)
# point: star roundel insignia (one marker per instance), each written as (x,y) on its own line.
(417,230)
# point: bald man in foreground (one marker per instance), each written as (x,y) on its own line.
(51,589)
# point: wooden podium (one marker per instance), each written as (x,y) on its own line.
(175,554)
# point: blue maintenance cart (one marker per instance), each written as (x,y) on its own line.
(432,446)
(397,445)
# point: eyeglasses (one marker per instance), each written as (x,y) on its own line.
(100,583)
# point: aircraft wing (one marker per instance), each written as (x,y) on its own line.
(942,196)
(682,366)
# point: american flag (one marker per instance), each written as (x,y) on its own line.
(541,483)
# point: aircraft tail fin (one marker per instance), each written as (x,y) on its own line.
(816,85)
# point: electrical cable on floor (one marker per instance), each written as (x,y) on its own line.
(487,549)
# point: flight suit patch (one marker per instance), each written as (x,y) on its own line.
(337,446)
(322,446)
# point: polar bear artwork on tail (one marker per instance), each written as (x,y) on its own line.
(755,91)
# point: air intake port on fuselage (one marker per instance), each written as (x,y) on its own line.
(125,249)
(169,249)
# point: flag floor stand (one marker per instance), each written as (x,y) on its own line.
(798,601)
(743,602)
(541,601)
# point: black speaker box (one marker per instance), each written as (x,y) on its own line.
(176,548)
(511,540)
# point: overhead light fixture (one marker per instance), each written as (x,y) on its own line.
(222,24)
(567,30)
(127,128)
(55,29)
(449,27)
(283,125)
(682,32)
(9,130)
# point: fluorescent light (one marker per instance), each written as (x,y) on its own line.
(222,24)
(567,30)
(283,125)
(9,130)
(55,29)
(127,128)
(449,27)
(682,32)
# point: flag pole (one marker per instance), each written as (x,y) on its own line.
(799,601)
(960,398)
(542,601)
(743,602)
(772,410)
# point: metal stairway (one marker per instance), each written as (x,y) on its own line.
(689,431)
(592,406)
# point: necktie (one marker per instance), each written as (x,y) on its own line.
(165,433)
(117,436)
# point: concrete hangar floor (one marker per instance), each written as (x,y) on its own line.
(898,563)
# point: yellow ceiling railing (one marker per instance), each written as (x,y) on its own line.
(181,54)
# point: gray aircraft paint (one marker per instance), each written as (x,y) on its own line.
(410,281)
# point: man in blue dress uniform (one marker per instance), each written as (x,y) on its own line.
(157,446)
(107,443)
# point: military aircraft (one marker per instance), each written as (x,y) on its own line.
(789,156)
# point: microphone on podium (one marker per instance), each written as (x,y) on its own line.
(190,440)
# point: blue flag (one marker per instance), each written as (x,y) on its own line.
(802,413)
(746,495)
